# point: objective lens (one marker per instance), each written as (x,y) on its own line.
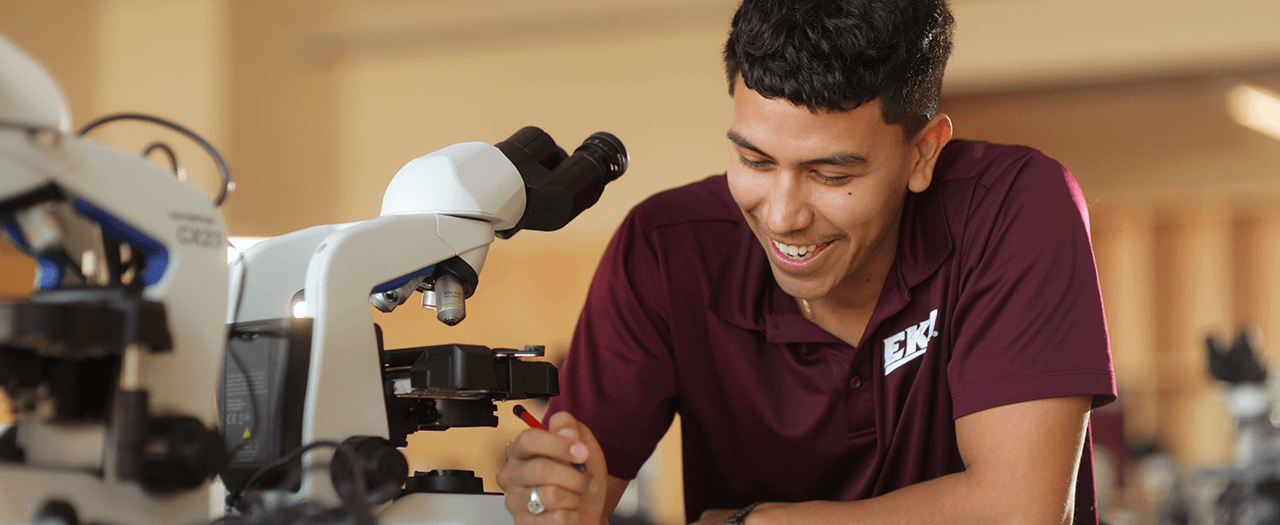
(451,306)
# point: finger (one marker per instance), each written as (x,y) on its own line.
(536,443)
(543,472)
(588,438)
(565,425)
(546,472)
(556,498)
(518,476)
(518,506)
(595,461)
(565,517)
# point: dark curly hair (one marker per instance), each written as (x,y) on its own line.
(836,55)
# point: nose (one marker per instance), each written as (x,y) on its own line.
(786,209)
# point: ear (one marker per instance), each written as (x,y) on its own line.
(928,144)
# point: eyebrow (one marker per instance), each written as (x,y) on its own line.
(839,159)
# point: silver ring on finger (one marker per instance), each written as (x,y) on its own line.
(535,503)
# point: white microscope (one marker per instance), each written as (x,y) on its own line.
(112,364)
(321,376)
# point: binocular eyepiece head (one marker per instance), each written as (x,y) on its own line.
(559,186)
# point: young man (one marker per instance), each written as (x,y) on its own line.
(863,321)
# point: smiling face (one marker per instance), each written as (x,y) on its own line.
(823,192)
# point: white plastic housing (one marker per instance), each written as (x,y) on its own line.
(472,180)
(29,98)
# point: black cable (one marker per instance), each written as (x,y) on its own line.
(284,461)
(253,405)
(217,158)
(244,370)
(355,501)
(359,502)
(235,318)
(173,159)
(244,277)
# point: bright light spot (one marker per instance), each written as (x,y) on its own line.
(300,309)
(1255,108)
(239,245)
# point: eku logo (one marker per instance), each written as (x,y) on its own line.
(916,339)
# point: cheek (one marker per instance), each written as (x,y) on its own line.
(745,189)
(862,213)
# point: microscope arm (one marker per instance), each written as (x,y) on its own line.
(342,265)
(345,381)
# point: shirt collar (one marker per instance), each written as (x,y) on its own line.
(746,295)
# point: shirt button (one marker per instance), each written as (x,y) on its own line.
(855,383)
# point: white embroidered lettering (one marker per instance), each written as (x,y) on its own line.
(893,350)
(917,339)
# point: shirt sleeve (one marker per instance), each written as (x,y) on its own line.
(1029,321)
(619,378)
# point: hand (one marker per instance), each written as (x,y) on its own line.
(547,462)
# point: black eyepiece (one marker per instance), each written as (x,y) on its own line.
(614,155)
(557,188)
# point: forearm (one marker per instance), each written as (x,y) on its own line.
(958,499)
(1021,463)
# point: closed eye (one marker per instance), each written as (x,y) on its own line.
(753,164)
(834,181)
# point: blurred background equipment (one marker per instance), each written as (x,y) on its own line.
(1251,495)
(1246,491)
(110,364)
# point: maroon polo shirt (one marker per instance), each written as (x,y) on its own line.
(992,299)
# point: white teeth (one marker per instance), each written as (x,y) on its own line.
(795,251)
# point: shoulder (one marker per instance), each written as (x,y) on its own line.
(680,239)
(705,201)
(976,180)
(993,165)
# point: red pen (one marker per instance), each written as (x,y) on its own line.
(534,423)
(528,418)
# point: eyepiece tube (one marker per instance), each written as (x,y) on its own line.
(555,197)
(538,145)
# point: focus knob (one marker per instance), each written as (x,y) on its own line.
(382,468)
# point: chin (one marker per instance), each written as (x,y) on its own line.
(800,288)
